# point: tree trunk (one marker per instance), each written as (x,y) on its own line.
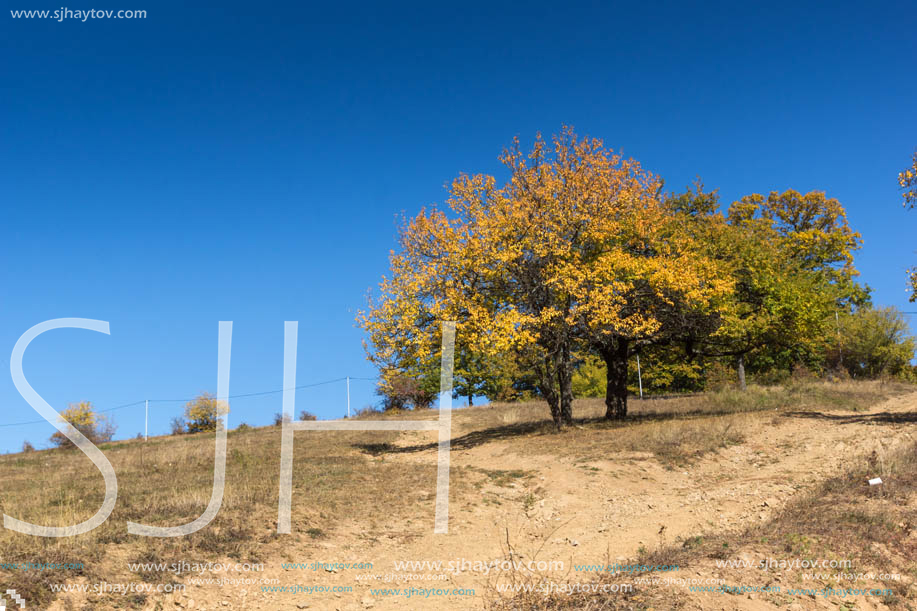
(546,386)
(615,357)
(740,366)
(470,400)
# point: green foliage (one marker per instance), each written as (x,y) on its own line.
(662,369)
(873,343)
(791,258)
(666,368)
(589,378)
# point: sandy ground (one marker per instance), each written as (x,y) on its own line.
(595,513)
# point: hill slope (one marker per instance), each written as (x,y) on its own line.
(556,505)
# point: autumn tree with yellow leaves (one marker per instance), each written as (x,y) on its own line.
(576,251)
(203,412)
(83,418)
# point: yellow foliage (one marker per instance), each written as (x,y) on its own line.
(907,180)
(577,246)
(83,418)
(203,412)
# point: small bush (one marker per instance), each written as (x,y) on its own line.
(719,377)
(402,392)
(366,410)
(771,377)
(203,412)
(178,425)
(307,416)
(27,447)
(243,427)
(838,374)
(83,418)
(802,374)
(280,418)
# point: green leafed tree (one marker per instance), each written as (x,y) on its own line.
(873,343)
(791,259)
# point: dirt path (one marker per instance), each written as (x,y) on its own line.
(577,513)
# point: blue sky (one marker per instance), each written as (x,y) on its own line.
(250,162)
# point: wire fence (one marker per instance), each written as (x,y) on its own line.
(152,402)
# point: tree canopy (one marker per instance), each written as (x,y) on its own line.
(576,250)
(578,261)
(202,413)
(83,417)
(790,257)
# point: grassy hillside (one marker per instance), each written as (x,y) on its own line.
(340,479)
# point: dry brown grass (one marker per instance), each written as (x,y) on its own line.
(675,430)
(844,518)
(167,481)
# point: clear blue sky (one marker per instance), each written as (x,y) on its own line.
(250,161)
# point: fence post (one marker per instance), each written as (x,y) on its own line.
(639,377)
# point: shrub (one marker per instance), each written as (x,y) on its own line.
(403,392)
(771,377)
(719,377)
(874,343)
(366,410)
(280,418)
(83,418)
(243,427)
(801,374)
(307,416)
(203,412)
(27,447)
(178,425)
